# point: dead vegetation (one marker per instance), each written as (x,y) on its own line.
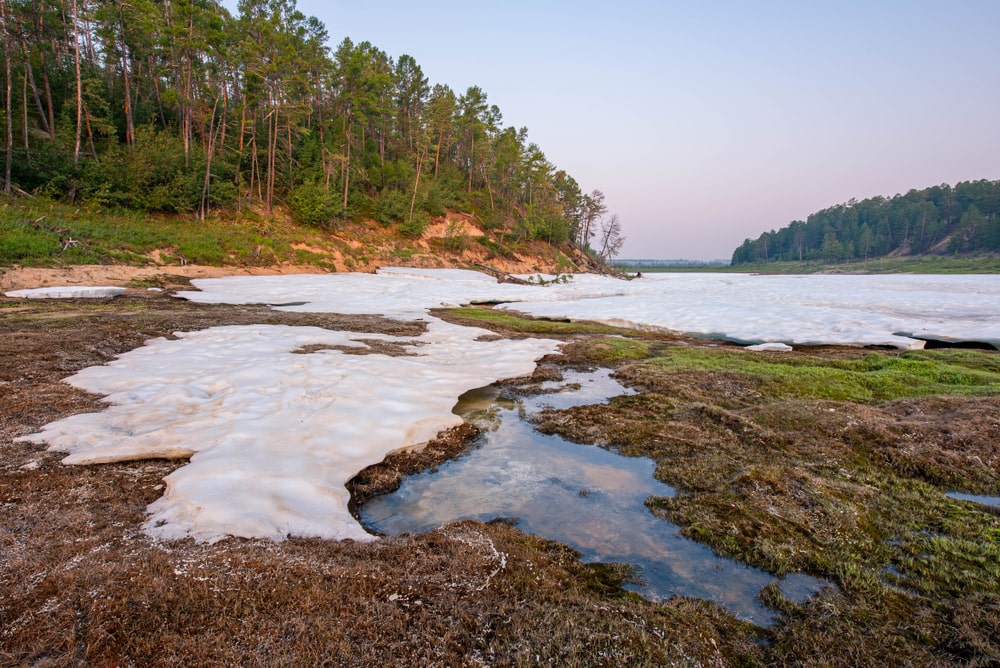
(847,490)
(81,584)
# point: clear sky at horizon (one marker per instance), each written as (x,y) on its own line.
(707,123)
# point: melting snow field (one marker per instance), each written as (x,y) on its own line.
(896,310)
(274,434)
(67,292)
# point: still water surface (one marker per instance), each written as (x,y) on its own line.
(581,495)
(977,498)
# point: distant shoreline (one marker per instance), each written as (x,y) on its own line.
(923,264)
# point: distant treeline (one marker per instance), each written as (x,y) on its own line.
(180,106)
(944,219)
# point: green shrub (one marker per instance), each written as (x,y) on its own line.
(46,170)
(415,226)
(149,176)
(391,206)
(312,203)
(438,198)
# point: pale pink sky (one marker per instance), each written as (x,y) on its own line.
(707,123)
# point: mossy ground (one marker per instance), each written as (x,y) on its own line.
(834,463)
(80,584)
(511,323)
(44,233)
(845,483)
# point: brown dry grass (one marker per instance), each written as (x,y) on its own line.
(845,490)
(80,584)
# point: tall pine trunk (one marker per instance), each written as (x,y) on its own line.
(79,86)
(10,121)
(29,71)
(126,79)
(206,184)
(48,100)
(347,162)
(416,183)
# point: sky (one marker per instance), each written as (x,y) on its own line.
(706,123)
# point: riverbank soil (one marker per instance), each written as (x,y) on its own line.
(846,484)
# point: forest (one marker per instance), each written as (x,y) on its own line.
(959,219)
(179,106)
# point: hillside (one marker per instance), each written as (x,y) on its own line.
(66,243)
(962,219)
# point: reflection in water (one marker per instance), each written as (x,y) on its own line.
(984,500)
(581,495)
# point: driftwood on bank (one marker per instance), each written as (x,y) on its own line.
(583,261)
(588,263)
(501,276)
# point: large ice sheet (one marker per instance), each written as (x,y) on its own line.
(808,310)
(892,310)
(396,292)
(274,435)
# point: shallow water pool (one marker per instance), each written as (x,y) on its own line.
(976,498)
(582,495)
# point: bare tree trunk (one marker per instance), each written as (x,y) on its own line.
(10,120)
(416,183)
(252,147)
(472,156)
(87,36)
(185,111)
(381,145)
(203,207)
(126,79)
(270,160)
(437,153)
(79,86)
(156,92)
(347,163)
(90,133)
(48,100)
(30,76)
(225,115)
(272,156)
(327,166)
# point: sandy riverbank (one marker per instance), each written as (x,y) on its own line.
(19,278)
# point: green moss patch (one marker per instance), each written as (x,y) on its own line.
(834,463)
(872,377)
(512,323)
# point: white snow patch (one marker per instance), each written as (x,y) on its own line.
(774,347)
(274,435)
(67,292)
